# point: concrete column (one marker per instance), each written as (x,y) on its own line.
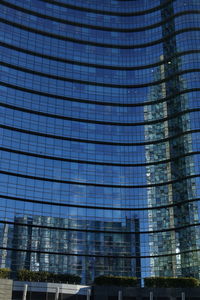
(88,294)
(119,295)
(25,292)
(182,296)
(57,293)
(151,296)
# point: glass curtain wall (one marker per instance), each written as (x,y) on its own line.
(100,137)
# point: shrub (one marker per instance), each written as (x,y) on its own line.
(4,273)
(64,278)
(69,278)
(26,275)
(169,282)
(116,280)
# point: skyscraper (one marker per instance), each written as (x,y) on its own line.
(100,137)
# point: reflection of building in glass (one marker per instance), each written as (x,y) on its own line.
(177,194)
(64,236)
(100,136)
(176,167)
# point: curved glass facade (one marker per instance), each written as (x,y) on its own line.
(100,137)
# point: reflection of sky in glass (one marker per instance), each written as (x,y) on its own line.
(100,122)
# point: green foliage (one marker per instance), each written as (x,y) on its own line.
(116,280)
(64,278)
(4,273)
(171,282)
(26,275)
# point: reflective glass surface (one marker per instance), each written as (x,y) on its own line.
(100,137)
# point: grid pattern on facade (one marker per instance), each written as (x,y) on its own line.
(100,137)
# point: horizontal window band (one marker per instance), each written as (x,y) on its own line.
(165,39)
(170,182)
(100,102)
(55,116)
(98,142)
(97,27)
(98,231)
(110,67)
(98,256)
(100,163)
(178,204)
(84,82)
(111,13)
